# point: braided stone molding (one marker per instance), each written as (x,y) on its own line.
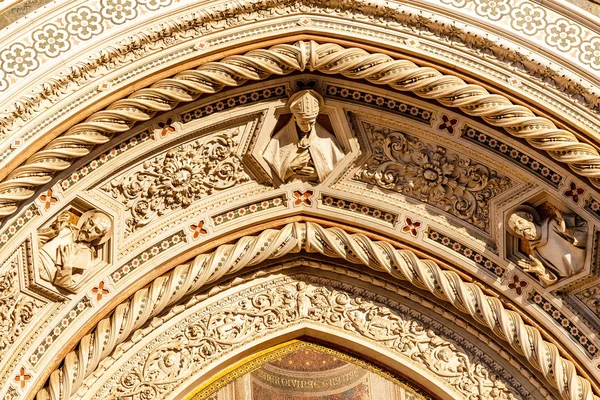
(227,259)
(354,63)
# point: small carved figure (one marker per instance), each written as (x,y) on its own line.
(303,301)
(68,250)
(376,322)
(303,149)
(557,244)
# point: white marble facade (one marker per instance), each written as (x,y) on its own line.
(184,186)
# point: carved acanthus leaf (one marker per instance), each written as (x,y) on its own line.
(183,175)
(591,298)
(407,165)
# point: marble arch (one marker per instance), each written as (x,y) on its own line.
(334,242)
(376,340)
(90,110)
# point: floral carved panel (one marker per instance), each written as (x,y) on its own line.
(430,173)
(17,310)
(157,370)
(172,181)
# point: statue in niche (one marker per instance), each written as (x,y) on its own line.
(557,242)
(303,149)
(69,247)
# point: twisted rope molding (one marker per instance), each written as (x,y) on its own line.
(227,259)
(255,65)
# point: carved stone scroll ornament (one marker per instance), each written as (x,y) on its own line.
(255,313)
(332,242)
(557,244)
(67,251)
(407,165)
(303,149)
(329,58)
(181,176)
(591,298)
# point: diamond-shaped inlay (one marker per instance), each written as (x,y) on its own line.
(574,192)
(411,227)
(22,378)
(104,86)
(412,42)
(48,199)
(517,284)
(201,46)
(305,22)
(448,124)
(303,198)
(100,291)
(166,127)
(514,81)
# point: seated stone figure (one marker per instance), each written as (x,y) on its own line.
(303,149)
(557,244)
(68,250)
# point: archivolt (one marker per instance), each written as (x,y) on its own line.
(332,242)
(328,58)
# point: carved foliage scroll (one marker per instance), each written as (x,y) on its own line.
(256,313)
(407,165)
(183,175)
(16,309)
(591,298)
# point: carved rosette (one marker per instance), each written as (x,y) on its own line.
(183,175)
(407,165)
(256,313)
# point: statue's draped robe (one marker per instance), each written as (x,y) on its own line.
(284,148)
(561,252)
(52,263)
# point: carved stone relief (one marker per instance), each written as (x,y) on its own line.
(303,149)
(555,244)
(16,309)
(150,40)
(333,242)
(353,63)
(71,246)
(432,174)
(200,339)
(174,180)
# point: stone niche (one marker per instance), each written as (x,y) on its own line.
(67,251)
(548,240)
